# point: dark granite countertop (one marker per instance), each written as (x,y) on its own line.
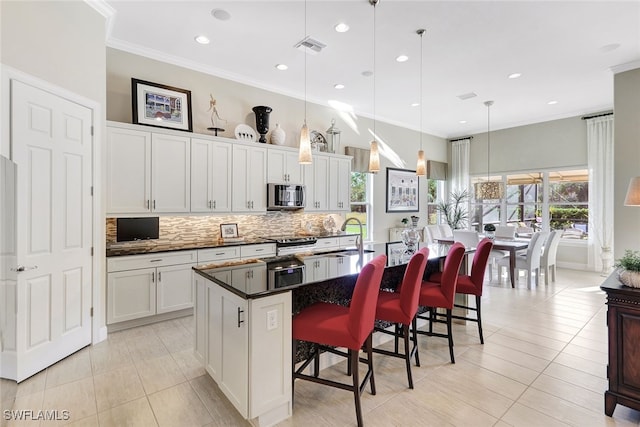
(154,246)
(349,260)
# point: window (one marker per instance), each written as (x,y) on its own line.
(435,191)
(361,184)
(554,200)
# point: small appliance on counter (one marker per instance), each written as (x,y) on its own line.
(285,272)
(133,229)
(285,196)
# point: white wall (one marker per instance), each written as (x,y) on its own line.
(235,100)
(626,159)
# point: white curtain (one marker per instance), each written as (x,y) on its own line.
(600,152)
(460,165)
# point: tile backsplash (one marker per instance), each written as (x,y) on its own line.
(207,228)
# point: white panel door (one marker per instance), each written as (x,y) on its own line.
(51,145)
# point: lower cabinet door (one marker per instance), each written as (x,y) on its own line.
(131,294)
(174,290)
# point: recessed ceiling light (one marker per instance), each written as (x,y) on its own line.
(281,67)
(221,14)
(514,75)
(338,86)
(609,47)
(202,39)
(402,58)
(341,27)
(415,104)
(367,73)
(462,122)
(554,102)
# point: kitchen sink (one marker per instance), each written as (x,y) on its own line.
(350,252)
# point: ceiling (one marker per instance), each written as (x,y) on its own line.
(564,51)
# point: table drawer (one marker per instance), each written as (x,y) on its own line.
(258,251)
(218,254)
(161,259)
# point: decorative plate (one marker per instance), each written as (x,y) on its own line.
(318,143)
(245,133)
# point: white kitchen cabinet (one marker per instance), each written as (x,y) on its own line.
(210,176)
(232,337)
(249,179)
(327,244)
(260,250)
(316,268)
(131,295)
(283,167)
(339,184)
(143,285)
(250,279)
(348,241)
(220,254)
(316,180)
(147,172)
(170,173)
(128,185)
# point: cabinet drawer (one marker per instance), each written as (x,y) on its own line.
(218,254)
(348,241)
(258,251)
(134,262)
(327,243)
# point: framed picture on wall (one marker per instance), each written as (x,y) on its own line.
(162,106)
(403,190)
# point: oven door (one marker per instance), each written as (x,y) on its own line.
(280,277)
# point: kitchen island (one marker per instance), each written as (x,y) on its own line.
(243,322)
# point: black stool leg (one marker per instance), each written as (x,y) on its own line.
(478,298)
(414,326)
(353,357)
(450,336)
(407,353)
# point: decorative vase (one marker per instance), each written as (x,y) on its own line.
(629,278)
(278,135)
(262,121)
(410,238)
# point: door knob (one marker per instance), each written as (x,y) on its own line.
(22,268)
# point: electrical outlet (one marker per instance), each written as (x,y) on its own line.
(272,320)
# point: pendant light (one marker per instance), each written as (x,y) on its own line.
(489,190)
(374,155)
(421,167)
(304,153)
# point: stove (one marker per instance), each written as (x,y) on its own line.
(286,245)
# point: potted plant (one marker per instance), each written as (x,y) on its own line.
(454,209)
(629,268)
(405,221)
(489,230)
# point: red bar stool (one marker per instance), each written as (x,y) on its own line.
(337,326)
(400,307)
(472,284)
(441,295)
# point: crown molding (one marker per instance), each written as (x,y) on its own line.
(104,9)
(616,69)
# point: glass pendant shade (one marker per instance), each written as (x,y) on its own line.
(421,167)
(304,155)
(374,158)
(489,190)
(633,192)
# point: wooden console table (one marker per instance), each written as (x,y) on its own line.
(623,321)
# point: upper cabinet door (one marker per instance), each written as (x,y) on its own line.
(221,173)
(128,171)
(171,173)
(283,167)
(210,176)
(249,179)
(340,184)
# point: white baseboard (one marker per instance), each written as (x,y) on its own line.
(150,319)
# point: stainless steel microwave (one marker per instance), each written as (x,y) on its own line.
(285,196)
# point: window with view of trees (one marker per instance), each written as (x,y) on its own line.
(360,203)
(553,200)
(435,192)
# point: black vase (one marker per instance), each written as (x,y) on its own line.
(262,121)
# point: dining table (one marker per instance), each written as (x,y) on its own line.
(510,245)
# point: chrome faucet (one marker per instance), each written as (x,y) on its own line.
(359,243)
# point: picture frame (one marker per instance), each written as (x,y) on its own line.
(403,190)
(162,106)
(228,231)
(396,252)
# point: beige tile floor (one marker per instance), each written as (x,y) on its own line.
(543,364)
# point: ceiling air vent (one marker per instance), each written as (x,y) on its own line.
(466,96)
(310,45)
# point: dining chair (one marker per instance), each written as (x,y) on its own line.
(549,253)
(468,238)
(506,232)
(529,261)
(331,325)
(433,232)
(400,308)
(472,284)
(445,230)
(435,295)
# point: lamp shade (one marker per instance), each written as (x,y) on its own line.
(421,167)
(489,190)
(374,158)
(633,192)
(304,155)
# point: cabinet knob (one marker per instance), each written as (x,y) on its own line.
(147,203)
(159,276)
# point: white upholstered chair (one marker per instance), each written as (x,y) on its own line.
(529,261)
(505,232)
(468,238)
(445,231)
(548,260)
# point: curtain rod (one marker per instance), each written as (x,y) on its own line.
(597,115)
(461,139)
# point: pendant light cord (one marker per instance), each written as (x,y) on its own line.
(305,63)
(421,32)
(374,3)
(488,104)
